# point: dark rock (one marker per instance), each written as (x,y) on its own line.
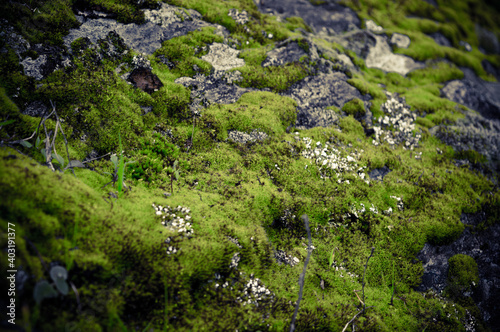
(286,52)
(49,58)
(36,108)
(440,39)
(144,79)
(473,92)
(483,246)
(329,17)
(218,88)
(488,41)
(161,24)
(491,69)
(359,41)
(378,174)
(314,94)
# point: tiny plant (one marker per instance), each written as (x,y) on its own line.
(119,172)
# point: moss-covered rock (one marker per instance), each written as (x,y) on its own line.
(462,271)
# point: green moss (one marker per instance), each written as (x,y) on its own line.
(273,117)
(277,78)
(462,271)
(352,126)
(186,51)
(354,107)
(473,156)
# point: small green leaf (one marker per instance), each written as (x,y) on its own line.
(59,159)
(175,164)
(177,175)
(7,122)
(330,260)
(43,290)
(37,142)
(26,144)
(44,153)
(58,272)
(62,286)
(76,163)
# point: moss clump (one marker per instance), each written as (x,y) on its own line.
(264,111)
(471,155)
(354,107)
(462,271)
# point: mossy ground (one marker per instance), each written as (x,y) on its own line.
(115,250)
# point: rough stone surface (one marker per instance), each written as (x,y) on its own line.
(491,69)
(358,41)
(381,56)
(36,108)
(161,24)
(379,173)
(144,79)
(440,39)
(223,57)
(329,17)
(484,247)
(474,132)
(399,40)
(488,41)
(475,93)
(218,88)
(314,94)
(373,27)
(282,54)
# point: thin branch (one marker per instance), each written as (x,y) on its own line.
(352,320)
(88,161)
(77,296)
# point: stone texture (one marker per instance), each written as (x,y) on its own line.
(440,39)
(399,40)
(223,57)
(488,41)
(475,93)
(329,17)
(284,53)
(144,79)
(315,93)
(161,24)
(381,56)
(484,247)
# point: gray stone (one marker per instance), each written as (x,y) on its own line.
(33,68)
(314,94)
(358,41)
(466,46)
(378,174)
(473,92)
(399,40)
(440,39)
(223,57)
(488,41)
(329,17)
(491,69)
(381,56)
(12,39)
(36,108)
(373,27)
(161,24)
(284,53)
(484,248)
